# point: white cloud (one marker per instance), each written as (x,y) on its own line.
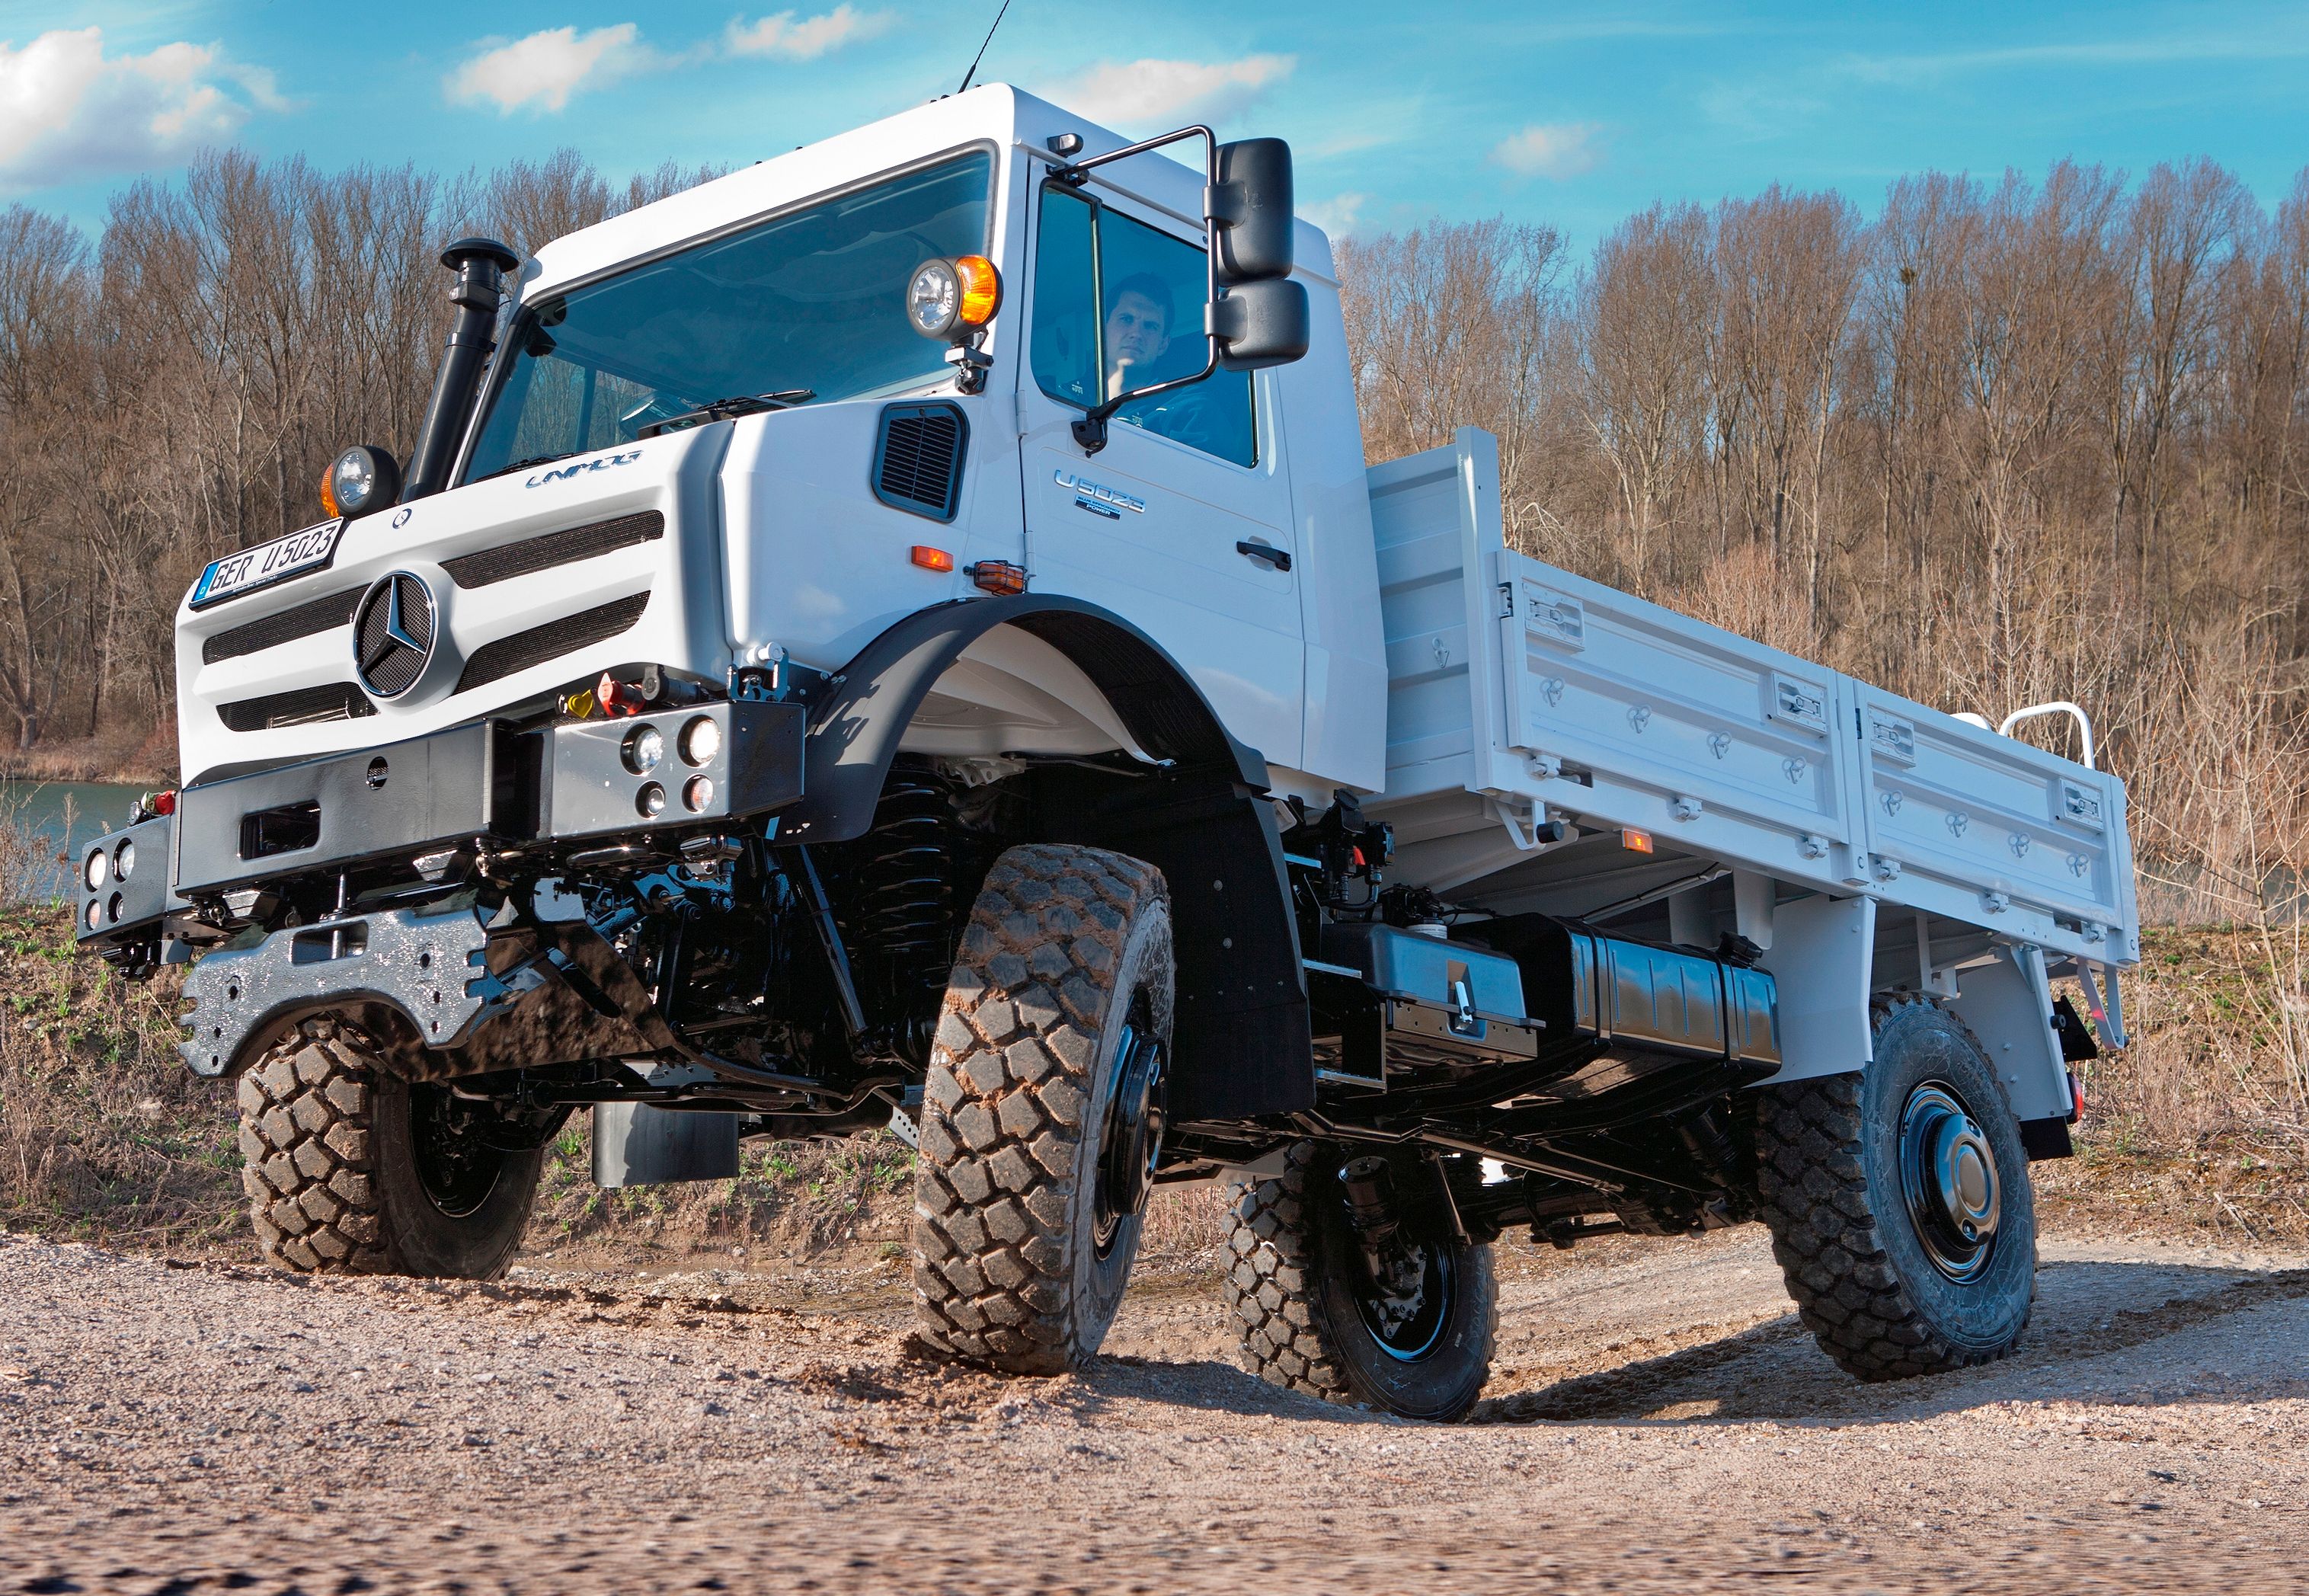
(68,111)
(1338,215)
(543,70)
(805,39)
(1550,149)
(1145,91)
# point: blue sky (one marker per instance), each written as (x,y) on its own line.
(1569,114)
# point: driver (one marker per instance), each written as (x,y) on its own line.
(1137,332)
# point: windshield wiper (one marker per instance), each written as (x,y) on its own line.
(723,410)
(523,465)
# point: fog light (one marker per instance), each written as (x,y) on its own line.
(698,794)
(97,869)
(112,908)
(650,801)
(124,860)
(95,914)
(700,740)
(644,746)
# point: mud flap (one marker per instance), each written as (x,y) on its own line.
(635,1144)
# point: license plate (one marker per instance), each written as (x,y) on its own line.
(310,549)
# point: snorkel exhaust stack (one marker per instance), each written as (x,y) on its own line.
(480,265)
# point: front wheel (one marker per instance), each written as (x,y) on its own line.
(1899,1202)
(350,1169)
(1043,1110)
(1348,1280)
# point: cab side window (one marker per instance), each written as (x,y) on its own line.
(1117,306)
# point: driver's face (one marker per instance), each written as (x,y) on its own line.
(1136,336)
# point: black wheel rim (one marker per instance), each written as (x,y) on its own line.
(1409,1326)
(1131,1141)
(1948,1181)
(447,1143)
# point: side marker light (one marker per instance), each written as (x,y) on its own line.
(1636,842)
(932,560)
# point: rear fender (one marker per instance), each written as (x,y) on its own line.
(1241,1042)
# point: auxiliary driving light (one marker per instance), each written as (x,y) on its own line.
(644,746)
(98,868)
(650,801)
(947,298)
(124,860)
(700,740)
(361,479)
(697,794)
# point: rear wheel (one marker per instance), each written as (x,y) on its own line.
(351,1170)
(1042,1108)
(1899,1202)
(1345,1285)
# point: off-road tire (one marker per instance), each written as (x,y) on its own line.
(1830,1182)
(1063,945)
(1297,1328)
(329,1165)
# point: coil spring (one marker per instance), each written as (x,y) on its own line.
(904,902)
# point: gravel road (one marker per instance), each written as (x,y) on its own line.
(1658,1422)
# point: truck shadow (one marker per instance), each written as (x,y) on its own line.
(2085,1312)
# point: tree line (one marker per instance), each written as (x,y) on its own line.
(174,389)
(2005,441)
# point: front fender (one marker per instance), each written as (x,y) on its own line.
(1241,1042)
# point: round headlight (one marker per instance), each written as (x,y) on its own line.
(697,794)
(650,801)
(124,860)
(644,746)
(361,479)
(97,869)
(700,740)
(934,299)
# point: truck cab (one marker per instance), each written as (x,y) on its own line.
(904,636)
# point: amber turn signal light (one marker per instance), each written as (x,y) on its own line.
(1636,842)
(981,288)
(999,577)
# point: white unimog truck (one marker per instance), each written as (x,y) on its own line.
(904,636)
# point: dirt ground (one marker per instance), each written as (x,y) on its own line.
(1658,1421)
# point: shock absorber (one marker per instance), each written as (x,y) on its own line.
(903,910)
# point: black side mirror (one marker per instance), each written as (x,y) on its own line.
(1259,324)
(1250,208)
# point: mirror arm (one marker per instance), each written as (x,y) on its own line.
(1074,173)
(1089,429)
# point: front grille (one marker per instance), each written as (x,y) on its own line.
(507,655)
(270,631)
(509,560)
(918,458)
(339,700)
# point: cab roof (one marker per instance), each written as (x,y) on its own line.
(994,113)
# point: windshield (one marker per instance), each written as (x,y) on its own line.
(812,301)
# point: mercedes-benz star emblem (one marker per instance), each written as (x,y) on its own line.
(393,634)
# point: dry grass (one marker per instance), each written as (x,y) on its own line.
(103,1132)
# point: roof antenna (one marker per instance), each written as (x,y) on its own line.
(975,60)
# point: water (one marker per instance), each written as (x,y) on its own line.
(43,807)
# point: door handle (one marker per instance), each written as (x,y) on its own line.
(1274,557)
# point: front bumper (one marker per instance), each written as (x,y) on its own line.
(480,785)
